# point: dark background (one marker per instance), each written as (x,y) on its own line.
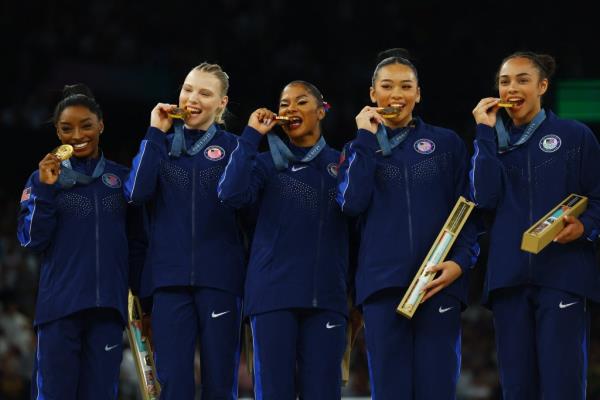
(134,54)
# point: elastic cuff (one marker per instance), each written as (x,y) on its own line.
(251,136)
(367,139)
(485,132)
(43,190)
(156,136)
(463,261)
(589,232)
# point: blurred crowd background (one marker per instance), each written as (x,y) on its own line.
(134,55)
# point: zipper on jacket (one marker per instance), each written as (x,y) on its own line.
(97,249)
(530,192)
(315,301)
(410,229)
(192,276)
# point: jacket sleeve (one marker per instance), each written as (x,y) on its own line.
(140,185)
(245,175)
(137,238)
(37,214)
(485,177)
(466,248)
(356,177)
(590,185)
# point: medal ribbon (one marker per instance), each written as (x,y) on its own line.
(69,177)
(282,155)
(387,145)
(178,145)
(504,137)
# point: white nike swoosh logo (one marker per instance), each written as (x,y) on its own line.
(109,348)
(443,310)
(215,315)
(296,168)
(329,326)
(561,305)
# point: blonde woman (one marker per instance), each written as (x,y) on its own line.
(196,253)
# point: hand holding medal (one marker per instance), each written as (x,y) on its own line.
(162,116)
(49,167)
(263,120)
(485,112)
(369,118)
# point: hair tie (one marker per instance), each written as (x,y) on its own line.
(326,106)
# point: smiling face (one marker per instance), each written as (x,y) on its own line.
(81,128)
(519,82)
(396,85)
(202,95)
(305,113)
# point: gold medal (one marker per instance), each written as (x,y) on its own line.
(389,112)
(506,104)
(180,113)
(63,152)
(286,120)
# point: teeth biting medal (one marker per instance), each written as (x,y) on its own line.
(286,120)
(389,112)
(178,112)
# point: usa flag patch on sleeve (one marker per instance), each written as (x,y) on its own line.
(26,194)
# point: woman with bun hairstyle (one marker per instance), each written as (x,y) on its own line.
(296,287)
(526,161)
(196,253)
(402,177)
(92,244)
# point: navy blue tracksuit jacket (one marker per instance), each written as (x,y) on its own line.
(89,252)
(523,185)
(403,201)
(299,255)
(194,239)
